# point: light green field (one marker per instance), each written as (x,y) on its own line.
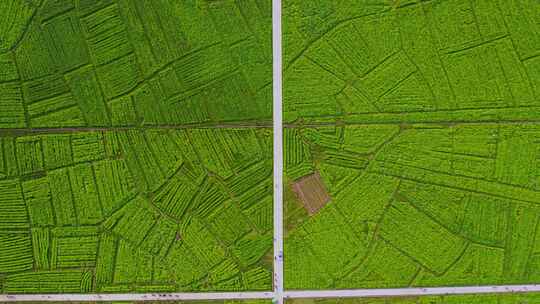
(422,120)
(73,63)
(119,211)
(391,61)
(415,205)
(135,148)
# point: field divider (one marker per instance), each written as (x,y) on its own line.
(18,131)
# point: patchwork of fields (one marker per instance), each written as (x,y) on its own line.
(414,205)
(145,210)
(405,61)
(134,63)
(415,127)
(135,148)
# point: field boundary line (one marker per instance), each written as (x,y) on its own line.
(253,125)
(261,125)
(277,102)
(410,291)
(337,123)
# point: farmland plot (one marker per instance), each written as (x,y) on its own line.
(391,61)
(422,120)
(135,153)
(134,63)
(136,210)
(414,205)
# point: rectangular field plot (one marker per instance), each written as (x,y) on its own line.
(518,298)
(392,61)
(146,210)
(135,63)
(412,205)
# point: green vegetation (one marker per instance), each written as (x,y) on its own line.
(135,153)
(422,119)
(73,63)
(136,210)
(525,298)
(415,205)
(411,61)
(135,149)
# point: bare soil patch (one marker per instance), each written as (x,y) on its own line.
(312,193)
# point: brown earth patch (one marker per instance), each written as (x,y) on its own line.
(311,192)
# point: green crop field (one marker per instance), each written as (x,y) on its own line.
(135,148)
(72,63)
(412,151)
(136,145)
(392,61)
(528,298)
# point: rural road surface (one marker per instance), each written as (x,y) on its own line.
(137,297)
(344,293)
(278,151)
(393,292)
